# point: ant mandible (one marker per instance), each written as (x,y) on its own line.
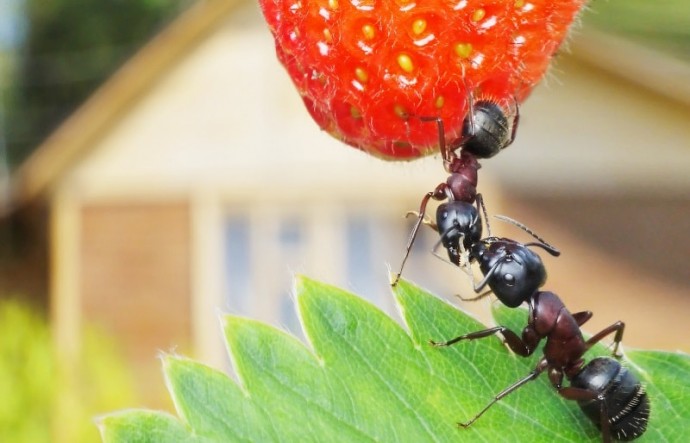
(609,394)
(485,132)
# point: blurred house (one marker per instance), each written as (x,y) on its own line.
(194,183)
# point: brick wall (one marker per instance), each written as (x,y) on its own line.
(135,280)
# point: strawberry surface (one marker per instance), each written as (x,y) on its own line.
(367,69)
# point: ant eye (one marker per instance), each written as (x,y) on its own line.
(509,279)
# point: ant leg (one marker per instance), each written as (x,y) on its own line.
(441,138)
(515,343)
(582,317)
(413,236)
(470,112)
(415,229)
(510,389)
(477,298)
(471,336)
(426,220)
(516,121)
(604,423)
(618,328)
(469,129)
(580,394)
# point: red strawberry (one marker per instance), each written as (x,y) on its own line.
(366,68)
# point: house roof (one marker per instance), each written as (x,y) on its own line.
(73,138)
(638,64)
(78,134)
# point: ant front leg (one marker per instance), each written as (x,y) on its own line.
(618,328)
(477,298)
(425,220)
(445,154)
(514,342)
(437,194)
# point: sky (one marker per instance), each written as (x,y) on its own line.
(13,24)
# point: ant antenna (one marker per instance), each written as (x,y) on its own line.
(480,202)
(542,243)
(478,286)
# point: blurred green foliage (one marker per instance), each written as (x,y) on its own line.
(40,403)
(664,24)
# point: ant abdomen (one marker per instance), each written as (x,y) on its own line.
(625,402)
(488,129)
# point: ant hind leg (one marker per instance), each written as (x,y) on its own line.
(618,328)
(509,390)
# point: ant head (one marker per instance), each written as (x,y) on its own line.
(512,271)
(458,220)
(486,129)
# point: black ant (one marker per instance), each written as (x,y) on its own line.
(609,394)
(485,132)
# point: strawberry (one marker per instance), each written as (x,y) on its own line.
(367,68)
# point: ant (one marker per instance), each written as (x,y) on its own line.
(485,132)
(609,394)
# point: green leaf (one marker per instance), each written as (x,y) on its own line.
(363,378)
(141,426)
